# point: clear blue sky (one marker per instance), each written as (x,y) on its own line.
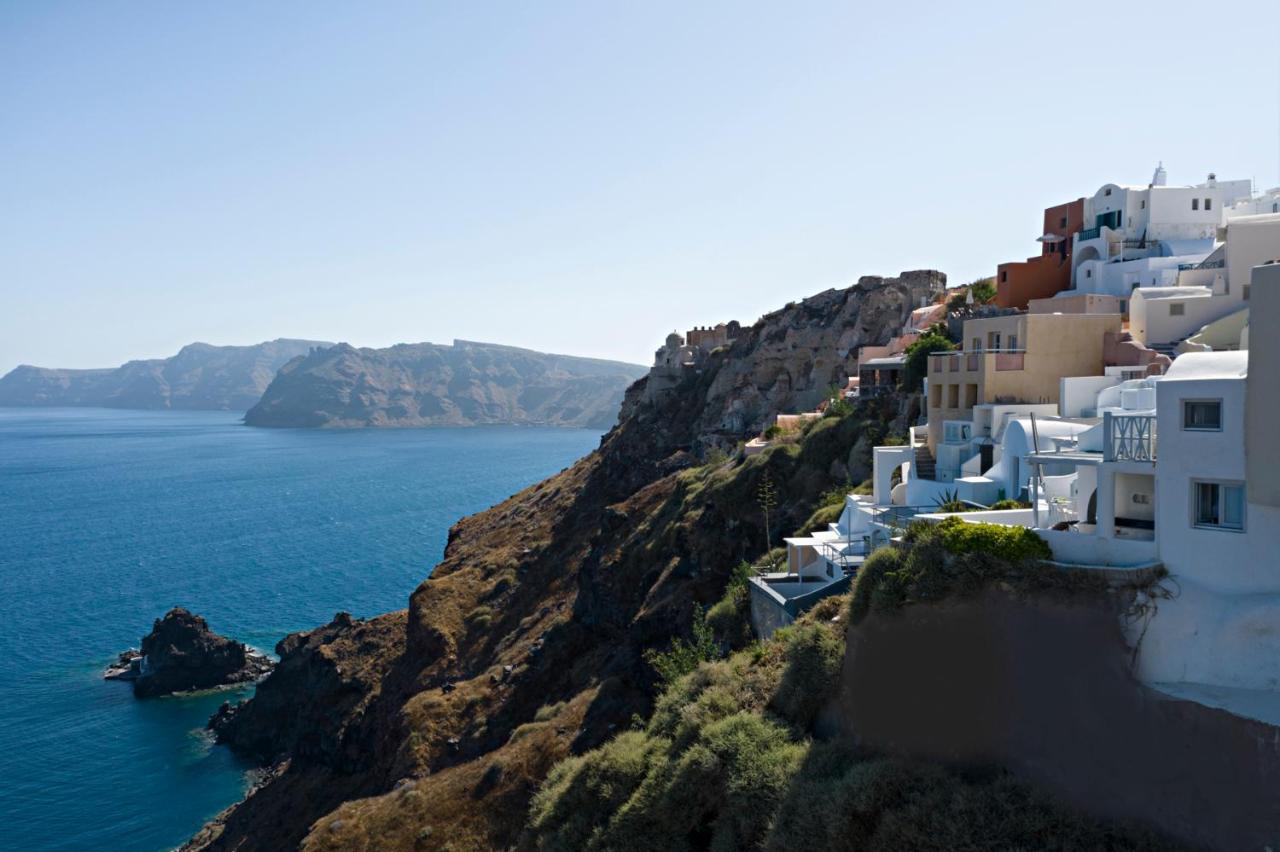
(571,177)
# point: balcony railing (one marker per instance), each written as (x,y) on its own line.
(1090,234)
(972,362)
(1129,437)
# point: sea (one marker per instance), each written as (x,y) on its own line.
(110,518)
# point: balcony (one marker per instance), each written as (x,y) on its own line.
(1090,234)
(1129,437)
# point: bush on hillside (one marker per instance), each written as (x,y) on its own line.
(1003,505)
(683,655)
(1013,544)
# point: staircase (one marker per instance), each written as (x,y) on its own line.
(925,464)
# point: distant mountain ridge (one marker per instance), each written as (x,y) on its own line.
(200,377)
(429,384)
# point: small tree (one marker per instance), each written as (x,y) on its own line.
(917,366)
(767,497)
(983,290)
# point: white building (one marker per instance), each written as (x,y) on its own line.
(1139,236)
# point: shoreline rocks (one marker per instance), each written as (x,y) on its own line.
(181,654)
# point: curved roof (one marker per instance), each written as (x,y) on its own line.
(1208,365)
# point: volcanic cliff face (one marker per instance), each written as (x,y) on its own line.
(199,377)
(425,384)
(433,727)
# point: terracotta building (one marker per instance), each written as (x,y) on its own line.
(1040,277)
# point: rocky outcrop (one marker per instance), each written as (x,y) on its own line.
(790,359)
(526,644)
(427,384)
(199,377)
(181,654)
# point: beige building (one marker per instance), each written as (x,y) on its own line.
(1014,359)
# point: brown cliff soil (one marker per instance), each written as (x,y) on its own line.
(434,727)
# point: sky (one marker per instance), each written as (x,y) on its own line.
(572,177)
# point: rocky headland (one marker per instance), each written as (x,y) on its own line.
(199,377)
(400,731)
(182,654)
(428,384)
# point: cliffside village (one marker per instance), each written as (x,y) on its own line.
(1110,398)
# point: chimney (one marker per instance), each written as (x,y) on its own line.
(1161,177)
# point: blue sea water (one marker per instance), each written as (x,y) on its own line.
(109,518)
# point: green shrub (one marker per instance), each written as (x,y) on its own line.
(773,432)
(547,712)
(682,656)
(884,562)
(813,658)
(579,795)
(1002,505)
(1013,544)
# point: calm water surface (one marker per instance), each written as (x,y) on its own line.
(109,518)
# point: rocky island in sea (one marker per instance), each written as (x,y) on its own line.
(199,377)
(428,384)
(182,654)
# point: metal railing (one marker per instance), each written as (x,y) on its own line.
(1129,437)
(1090,234)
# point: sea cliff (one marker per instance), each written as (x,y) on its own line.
(199,377)
(544,606)
(426,384)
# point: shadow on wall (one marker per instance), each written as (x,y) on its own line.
(1043,688)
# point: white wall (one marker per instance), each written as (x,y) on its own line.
(1078,394)
(1151,323)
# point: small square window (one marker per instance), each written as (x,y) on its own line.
(1203,415)
(1177,309)
(1218,505)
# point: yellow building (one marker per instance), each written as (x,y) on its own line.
(1020,358)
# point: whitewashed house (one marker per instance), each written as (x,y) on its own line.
(1140,236)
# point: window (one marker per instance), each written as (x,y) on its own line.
(1244,292)
(1202,415)
(1108,191)
(1004,275)
(1275,207)
(1088,273)
(1208,204)
(1177,309)
(1143,205)
(1124,306)
(1013,343)
(977,344)
(1219,505)
(1195,204)
(1062,223)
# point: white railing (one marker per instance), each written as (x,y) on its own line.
(1129,437)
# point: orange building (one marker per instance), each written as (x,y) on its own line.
(1040,277)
